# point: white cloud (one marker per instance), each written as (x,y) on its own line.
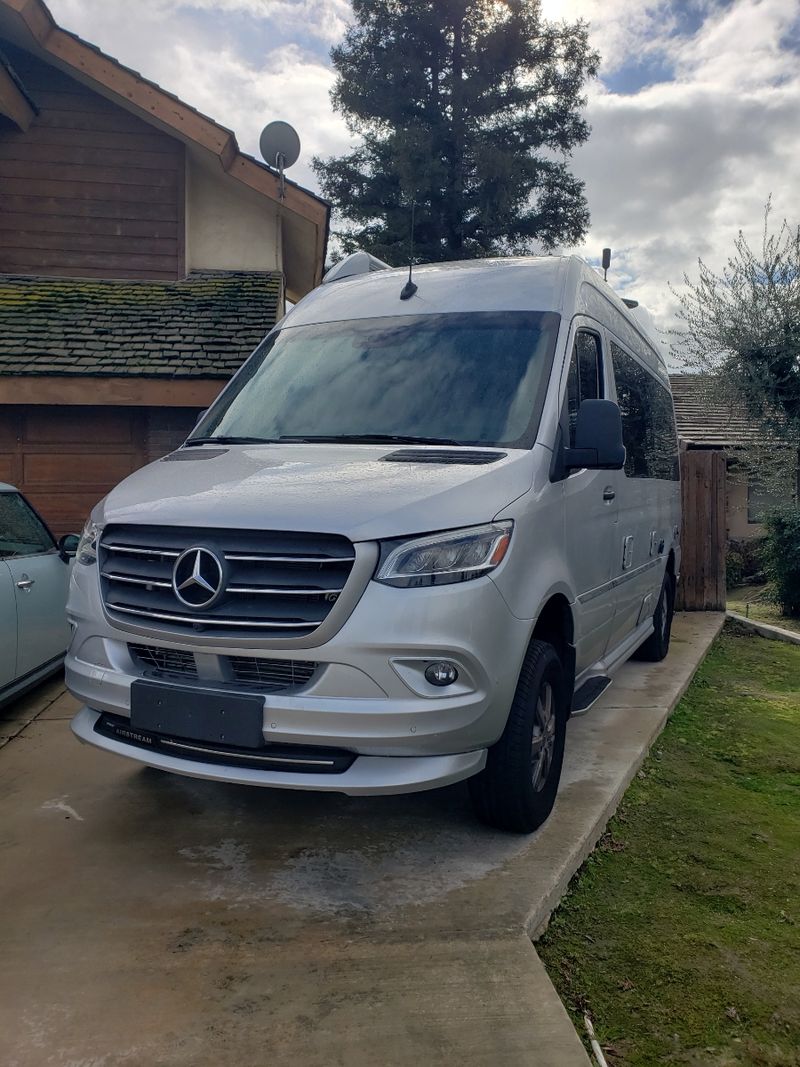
(326,19)
(619,29)
(676,169)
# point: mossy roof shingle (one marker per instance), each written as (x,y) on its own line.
(202,327)
(705,421)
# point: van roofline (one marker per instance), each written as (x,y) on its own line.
(568,272)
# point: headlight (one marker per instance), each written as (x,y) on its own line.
(87,546)
(457,556)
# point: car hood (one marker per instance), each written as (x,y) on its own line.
(340,489)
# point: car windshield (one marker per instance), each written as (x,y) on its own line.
(463,378)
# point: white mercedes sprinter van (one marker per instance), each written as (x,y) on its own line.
(410,538)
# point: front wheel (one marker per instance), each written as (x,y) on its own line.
(517,788)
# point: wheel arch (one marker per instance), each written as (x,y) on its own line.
(555,625)
(671,563)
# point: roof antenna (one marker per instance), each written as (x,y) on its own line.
(606,263)
(410,288)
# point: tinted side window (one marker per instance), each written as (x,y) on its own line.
(648,421)
(21,532)
(584,378)
(633,399)
(663,458)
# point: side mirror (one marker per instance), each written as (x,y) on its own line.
(68,546)
(201,415)
(598,438)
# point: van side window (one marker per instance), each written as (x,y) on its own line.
(584,378)
(664,461)
(632,390)
(648,422)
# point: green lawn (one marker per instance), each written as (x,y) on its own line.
(747,600)
(680,936)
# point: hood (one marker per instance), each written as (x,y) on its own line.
(338,489)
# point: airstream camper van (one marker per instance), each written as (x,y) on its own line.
(421,527)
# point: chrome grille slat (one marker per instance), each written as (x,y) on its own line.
(137,581)
(314,560)
(279,591)
(200,620)
(252,591)
(130,550)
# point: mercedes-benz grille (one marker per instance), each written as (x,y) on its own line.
(222,582)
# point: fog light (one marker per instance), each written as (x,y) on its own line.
(441,674)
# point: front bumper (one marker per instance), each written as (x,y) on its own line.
(368,696)
(366,776)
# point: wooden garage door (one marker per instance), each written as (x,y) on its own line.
(66,459)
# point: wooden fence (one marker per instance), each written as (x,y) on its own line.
(704,532)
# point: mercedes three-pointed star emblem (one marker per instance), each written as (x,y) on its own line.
(198,578)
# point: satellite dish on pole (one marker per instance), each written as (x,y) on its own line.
(280,147)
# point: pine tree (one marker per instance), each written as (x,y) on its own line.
(470,108)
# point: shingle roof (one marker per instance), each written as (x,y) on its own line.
(707,422)
(203,327)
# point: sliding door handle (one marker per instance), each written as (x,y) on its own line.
(608,493)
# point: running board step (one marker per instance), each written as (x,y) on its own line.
(588,693)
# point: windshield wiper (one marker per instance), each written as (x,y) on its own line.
(369,439)
(229,441)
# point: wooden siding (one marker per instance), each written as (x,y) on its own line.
(66,460)
(167,428)
(703,535)
(89,190)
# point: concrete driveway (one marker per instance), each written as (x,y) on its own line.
(149,919)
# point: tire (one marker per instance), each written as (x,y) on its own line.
(516,791)
(656,646)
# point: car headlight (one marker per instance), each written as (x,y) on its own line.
(457,556)
(87,546)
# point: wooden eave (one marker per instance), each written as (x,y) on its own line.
(126,87)
(71,390)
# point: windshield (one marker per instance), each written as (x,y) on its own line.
(468,378)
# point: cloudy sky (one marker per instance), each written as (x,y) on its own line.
(695,115)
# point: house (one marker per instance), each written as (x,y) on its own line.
(706,424)
(142,258)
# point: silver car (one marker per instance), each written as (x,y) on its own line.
(34,577)
(418,529)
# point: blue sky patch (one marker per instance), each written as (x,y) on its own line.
(638,74)
(253,37)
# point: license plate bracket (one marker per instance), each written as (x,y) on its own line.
(233,719)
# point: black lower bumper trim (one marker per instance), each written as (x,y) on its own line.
(298,758)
